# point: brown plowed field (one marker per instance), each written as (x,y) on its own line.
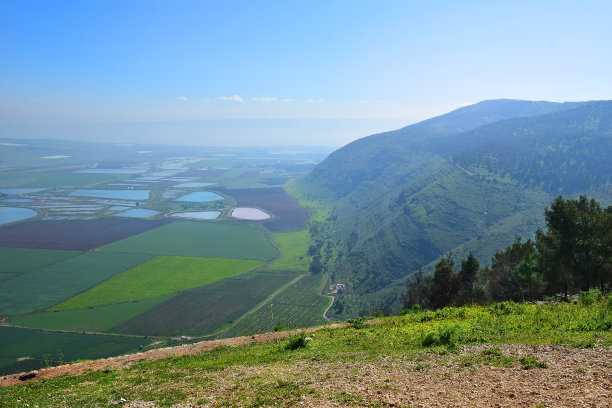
(73,234)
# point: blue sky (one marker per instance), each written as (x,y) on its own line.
(231,72)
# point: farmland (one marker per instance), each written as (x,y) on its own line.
(98,319)
(84,264)
(293,247)
(201,311)
(72,234)
(46,179)
(289,214)
(20,260)
(38,348)
(159,276)
(298,305)
(203,239)
(47,286)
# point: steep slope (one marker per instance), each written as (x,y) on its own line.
(469,180)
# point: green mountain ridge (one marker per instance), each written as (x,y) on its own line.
(471,180)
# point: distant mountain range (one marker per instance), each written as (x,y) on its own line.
(469,180)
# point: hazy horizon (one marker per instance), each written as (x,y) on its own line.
(267,73)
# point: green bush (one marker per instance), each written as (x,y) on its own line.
(296,342)
(442,337)
(590,297)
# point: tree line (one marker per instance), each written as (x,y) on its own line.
(572,254)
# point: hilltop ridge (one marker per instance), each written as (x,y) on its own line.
(470,180)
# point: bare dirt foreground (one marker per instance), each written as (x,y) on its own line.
(574,378)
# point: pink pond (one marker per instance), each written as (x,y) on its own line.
(248,213)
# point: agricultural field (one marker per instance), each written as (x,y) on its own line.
(47,179)
(85,264)
(202,239)
(27,349)
(289,215)
(159,276)
(48,286)
(91,319)
(203,310)
(73,234)
(20,260)
(298,305)
(293,248)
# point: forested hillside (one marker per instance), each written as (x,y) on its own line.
(471,180)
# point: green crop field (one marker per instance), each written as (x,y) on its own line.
(46,179)
(202,310)
(19,260)
(298,305)
(38,348)
(159,276)
(99,318)
(203,239)
(47,286)
(293,248)
(5,276)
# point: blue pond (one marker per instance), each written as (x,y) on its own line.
(17,191)
(198,215)
(118,194)
(12,214)
(17,200)
(133,170)
(138,213)
(194,185)
(200,197)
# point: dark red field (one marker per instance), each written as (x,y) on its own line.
(73,234)
(289,214)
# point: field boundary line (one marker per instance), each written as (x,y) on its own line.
(257,307)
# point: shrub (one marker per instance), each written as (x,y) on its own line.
(590,297)
(442,337)
(296,342)
(357,323)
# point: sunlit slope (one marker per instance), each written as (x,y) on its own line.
(470,180)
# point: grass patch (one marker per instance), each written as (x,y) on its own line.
(293,248)
(201,239)
(159,276)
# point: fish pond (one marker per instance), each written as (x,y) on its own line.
(138,213)
(117,194)
(198,215)
(249,213)
(200,197)
(13,214)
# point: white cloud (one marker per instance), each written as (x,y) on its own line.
(363,102)
(264,99)
(205,99)
(234,98)
(321,100)
(286,100)
(182,98)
